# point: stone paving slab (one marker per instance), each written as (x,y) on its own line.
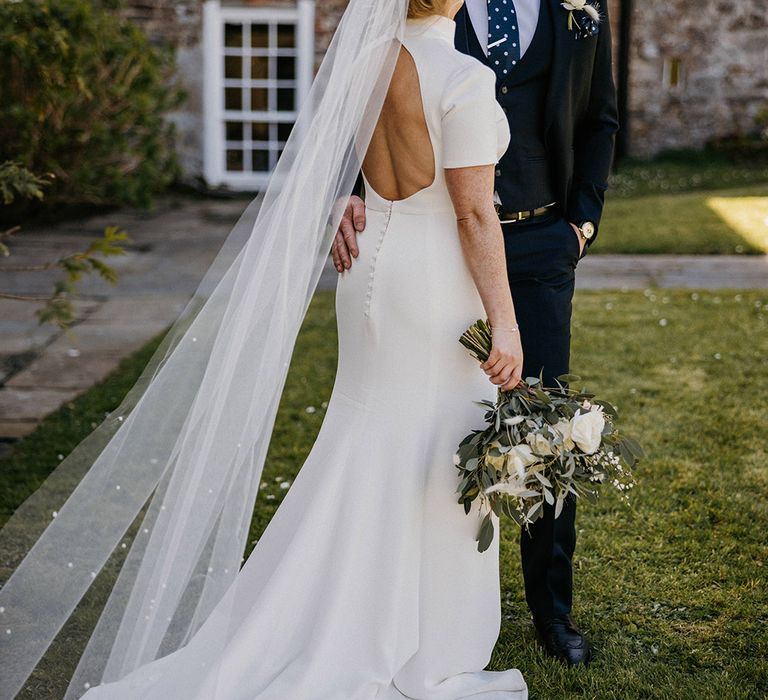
(136,311)
(171,247)
(18,337)
(22,337)
(54,370)
(74,362)
(93,336)
(13,430)
(672,271)
(21,409)
(169,251)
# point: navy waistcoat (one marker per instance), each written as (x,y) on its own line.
(523,177)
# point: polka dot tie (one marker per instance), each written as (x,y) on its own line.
(503,37)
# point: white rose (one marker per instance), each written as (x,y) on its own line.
(587,429)
(539,443)
(578,5)
(519,458)
(497,462)
(563,428)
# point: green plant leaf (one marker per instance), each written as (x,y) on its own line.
(485,536)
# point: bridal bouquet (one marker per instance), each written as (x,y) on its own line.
(539,445)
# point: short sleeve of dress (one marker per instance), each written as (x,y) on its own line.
(470,112)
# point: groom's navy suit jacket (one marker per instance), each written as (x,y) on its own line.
(580,112)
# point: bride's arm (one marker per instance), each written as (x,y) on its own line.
(471,191)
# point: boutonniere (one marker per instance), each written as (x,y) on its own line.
(589,23)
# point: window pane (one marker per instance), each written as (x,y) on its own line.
(233,98)
(233,67)
(234,131)
(286,68)
(260,35)
(254,147)
(261,161)
(260,131)
(235,161)
(286,36)
(259,99)
(286,99)
(233,35)
(259,68)
(284,131)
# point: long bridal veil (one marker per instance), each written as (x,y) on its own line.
(152,510)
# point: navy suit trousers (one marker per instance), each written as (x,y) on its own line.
(542,255)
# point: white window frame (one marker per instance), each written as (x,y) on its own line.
(215,116)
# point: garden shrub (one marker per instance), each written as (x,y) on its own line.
(83,97)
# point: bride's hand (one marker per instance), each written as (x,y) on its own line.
(504,366)
(345,244)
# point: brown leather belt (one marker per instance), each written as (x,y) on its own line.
(511,217)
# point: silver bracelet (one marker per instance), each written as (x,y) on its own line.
(513,329)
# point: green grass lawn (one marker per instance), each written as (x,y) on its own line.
(732,221)
(684,171)
(672,590)
(686,203)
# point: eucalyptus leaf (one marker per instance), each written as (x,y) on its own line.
(534,509)
(485,536)
(635,448)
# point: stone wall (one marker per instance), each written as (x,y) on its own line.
(179,23)
(722,49)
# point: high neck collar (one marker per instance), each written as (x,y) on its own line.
(436,25)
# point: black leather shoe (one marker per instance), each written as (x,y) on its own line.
(563,640)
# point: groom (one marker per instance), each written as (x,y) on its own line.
(555,83)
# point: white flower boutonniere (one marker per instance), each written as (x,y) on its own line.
(580,6)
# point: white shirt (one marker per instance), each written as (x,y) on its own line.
(527,12)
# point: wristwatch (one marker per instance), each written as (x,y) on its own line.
(587,230)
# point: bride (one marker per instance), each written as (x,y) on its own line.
(367,584)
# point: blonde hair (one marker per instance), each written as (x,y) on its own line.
(424,8)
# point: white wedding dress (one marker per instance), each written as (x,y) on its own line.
(367,584)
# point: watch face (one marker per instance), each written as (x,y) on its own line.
(588,229)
